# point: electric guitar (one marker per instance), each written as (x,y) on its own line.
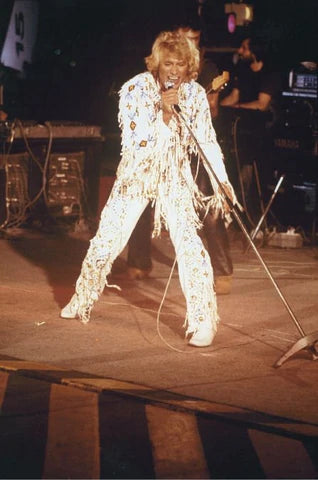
(218,83)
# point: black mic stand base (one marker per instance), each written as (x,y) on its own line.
(307,342)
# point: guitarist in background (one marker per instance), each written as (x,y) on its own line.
(256,90)
(214,229)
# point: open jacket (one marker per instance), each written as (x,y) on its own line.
(156,157)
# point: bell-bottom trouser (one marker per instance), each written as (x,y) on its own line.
(117,222)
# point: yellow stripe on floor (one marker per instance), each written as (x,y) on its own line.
(3,386)
(282,457)
(72,449)
(17,365)
(176,443)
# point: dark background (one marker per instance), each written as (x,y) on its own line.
(86,49)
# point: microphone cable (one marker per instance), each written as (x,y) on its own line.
(168,284)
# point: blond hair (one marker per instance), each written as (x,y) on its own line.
(178,45)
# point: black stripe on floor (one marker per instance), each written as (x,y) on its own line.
(311,446)
(124,441)
(228,450)
(23,427)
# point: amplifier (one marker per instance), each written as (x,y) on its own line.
(65,185)
(296,203)
(298,112)
(14,196)
(18,130)
(295,138)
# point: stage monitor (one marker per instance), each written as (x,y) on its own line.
(303,81)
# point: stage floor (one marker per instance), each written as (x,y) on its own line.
(128,348)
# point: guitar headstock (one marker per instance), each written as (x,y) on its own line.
(219,82)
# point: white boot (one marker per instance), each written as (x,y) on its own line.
(203,337)
(71,309)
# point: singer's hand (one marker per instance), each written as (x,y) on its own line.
(168,99)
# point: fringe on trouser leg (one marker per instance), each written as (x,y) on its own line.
(194,266)
(118,220)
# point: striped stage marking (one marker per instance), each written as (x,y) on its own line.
(104,428)
(3,386)
(73,434)
(282,457)
(176,443)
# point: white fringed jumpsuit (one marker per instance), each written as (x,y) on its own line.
(155,167)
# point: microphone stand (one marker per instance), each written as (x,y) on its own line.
(255,232)
(306,342)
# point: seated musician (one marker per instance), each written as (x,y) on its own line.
(255,88)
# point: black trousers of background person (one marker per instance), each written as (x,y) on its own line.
(254,153)
(139,245)
(214,231)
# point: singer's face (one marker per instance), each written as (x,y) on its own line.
(172,69)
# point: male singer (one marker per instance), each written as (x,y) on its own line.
(155,167)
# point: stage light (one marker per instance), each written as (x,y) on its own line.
(231,22)
(248,13)
(241,13)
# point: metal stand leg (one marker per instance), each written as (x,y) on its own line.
(266,210)
(259,191)
(307,342)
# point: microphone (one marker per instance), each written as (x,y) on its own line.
(169,84)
